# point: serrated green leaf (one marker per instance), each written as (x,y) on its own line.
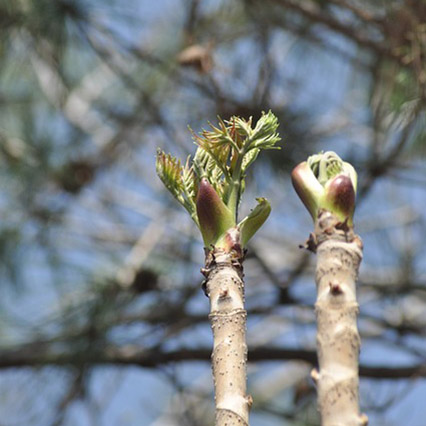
(189,181)
(242,126)
(264,135)
(205,166)
(179,180)
(169,170)
(249,158)
(214,140)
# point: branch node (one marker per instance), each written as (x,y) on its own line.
(363,419)
(204,288)
(311,243)
(335,288)
(315,375)
(224,294)
(249,399)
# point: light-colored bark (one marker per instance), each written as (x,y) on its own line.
(339,253)
(225,288)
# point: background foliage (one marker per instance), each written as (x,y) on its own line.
(102,319)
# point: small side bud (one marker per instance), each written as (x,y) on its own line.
(213,215)
(250,224)
(315,375)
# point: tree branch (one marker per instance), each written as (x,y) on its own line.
(135,356)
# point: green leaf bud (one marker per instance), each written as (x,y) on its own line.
(324,181)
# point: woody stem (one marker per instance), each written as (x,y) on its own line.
(339,253)
(225,289)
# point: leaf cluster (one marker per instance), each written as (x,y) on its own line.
(224,154)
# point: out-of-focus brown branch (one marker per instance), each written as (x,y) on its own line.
(312,12)
(356,11)
(379,166)
(381,40)
(153,358)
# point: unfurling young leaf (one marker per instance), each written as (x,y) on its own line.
(251,223)
(308,188)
